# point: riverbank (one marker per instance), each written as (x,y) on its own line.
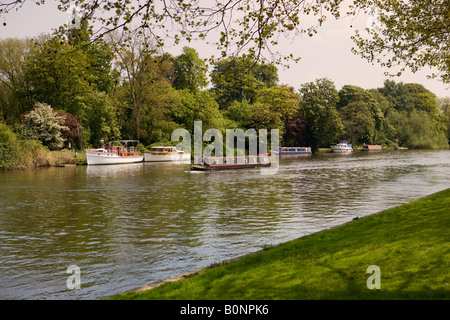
(408,243)
(42,157)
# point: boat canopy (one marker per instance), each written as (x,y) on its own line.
(126,142)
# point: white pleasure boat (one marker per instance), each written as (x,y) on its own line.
(161,154)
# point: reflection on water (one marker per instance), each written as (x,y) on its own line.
(129,225)
(109,171)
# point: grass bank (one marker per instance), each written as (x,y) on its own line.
(409,244)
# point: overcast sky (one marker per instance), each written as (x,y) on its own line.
(325,55)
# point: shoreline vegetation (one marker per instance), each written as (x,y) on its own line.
(408,243)
(65,91)
(17,153)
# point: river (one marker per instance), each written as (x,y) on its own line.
(125,226)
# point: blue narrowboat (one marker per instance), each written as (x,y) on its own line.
(295,150)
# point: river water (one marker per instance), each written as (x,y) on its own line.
(125,226)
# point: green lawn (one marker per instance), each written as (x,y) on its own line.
(410,244)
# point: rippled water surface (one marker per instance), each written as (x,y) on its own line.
(129,225)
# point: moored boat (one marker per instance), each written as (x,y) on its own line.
(114,154)
(162,154)
(295,151)
(372,148)
(230,163)
(342,147)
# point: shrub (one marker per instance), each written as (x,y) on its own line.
(9,147)
(46,125)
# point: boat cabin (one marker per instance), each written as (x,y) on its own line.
(123,151)
(163,150)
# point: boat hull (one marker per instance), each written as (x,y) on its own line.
(342,150)
(98,158)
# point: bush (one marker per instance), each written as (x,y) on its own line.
(9,147)
(16,153)
(46,125)
(32,154)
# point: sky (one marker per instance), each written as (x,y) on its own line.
(325,55)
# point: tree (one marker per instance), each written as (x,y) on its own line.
(59,75)
(423,99)
(444,105)
(417,130)
(317,106)
(411,34)
(281,100)
(358,122)
(74,130)
(239,79)
(75,80)
(410,103)
(258,115)
(190,71)
(198,106)
(102,122)
(397,94)
(146,97)
(361,116)
(239,26)
(46,125)
(100,57)
(13,84)
(295,132)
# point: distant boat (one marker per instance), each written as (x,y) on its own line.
(342,147)
(114,154)
(230,163)
(295,151)
(372,148)
(162,154)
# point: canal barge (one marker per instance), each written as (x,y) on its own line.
(231,163)
(372,148)
(165,154)
(295,151)
(114,154)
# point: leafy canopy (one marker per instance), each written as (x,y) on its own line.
(409,34)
